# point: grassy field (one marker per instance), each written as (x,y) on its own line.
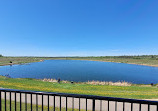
(151,60)
(19,60)
(45,108)
(135,91)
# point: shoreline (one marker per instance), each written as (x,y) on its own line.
(77,59)
(109,61)
(128,63)
(10,64)
(91,82)
(95,82)
(118,83)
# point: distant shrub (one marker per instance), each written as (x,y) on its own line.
(152,56)
(136,58)
(7,76)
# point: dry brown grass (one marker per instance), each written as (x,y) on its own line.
(49,80)
(94,82)
(109,83)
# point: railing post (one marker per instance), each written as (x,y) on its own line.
(0,102)
(93,105)
(10,100)
(20,103)
(15,101)
(66,103)
(42,102)
(5,101)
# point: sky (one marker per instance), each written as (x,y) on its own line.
(78,27)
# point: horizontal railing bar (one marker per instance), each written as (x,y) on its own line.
(82,96)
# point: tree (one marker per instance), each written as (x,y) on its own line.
(152,56)
(1,55)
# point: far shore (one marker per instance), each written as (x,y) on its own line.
(111,61)
(127,63)
(81,59)
(137,60)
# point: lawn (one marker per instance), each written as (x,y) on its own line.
(45,108)
(135,91)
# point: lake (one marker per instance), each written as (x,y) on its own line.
(81,70)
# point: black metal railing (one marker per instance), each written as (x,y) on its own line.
(22,100)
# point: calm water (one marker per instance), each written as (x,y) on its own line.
(77,70)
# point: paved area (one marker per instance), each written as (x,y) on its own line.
(100,105)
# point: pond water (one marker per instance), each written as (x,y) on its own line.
(81,70)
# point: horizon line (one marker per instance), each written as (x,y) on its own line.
(81,56)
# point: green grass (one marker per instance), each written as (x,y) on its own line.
(18,60)
(149,60)
(135,91)
(140,60)
(45,108)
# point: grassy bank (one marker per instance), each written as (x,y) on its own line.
(150,60)
(21,60)
(134,91)
(18,60)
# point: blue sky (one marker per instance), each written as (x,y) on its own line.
(78,27)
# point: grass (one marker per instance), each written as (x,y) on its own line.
(135,91)
(140,60)
(149,60)
(18,60)
(45,108)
